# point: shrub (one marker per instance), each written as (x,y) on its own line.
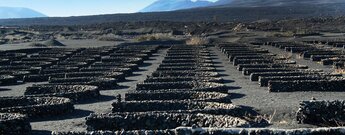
(197,41)
(154,37)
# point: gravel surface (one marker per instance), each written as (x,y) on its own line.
(69,44)
(76,120)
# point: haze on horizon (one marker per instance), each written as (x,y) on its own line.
(64,8)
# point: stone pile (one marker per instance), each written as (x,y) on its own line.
(178,95)
(322,113)
(74,92)
(14,124)
(36,106)
(152,120)
(332,55)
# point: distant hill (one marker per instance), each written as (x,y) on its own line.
(171,5)
(217,13)
(14,12)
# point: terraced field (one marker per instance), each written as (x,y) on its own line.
(216,88)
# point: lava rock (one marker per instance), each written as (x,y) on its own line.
(14,124)
(174,106)
(321,113)
(101,83)
(158,121)
(74,92)
(307,85)
(177,95)
(7,80)
(36,106)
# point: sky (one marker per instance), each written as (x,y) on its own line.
(62,8)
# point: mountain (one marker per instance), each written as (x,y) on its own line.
(220,14)
(225,13)
(14,12)
(171,5)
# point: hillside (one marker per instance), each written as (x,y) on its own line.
(171,5)
(221,14)
(13,12)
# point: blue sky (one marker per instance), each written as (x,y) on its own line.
(79,7)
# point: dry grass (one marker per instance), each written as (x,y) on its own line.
(339,71)
(270,118)
(197,41)
(285,56)
(154,37)
(299,56)
(110,37)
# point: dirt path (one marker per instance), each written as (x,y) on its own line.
(76,120)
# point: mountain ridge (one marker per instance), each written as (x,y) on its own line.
(172,5)
(18,12)
(205,14)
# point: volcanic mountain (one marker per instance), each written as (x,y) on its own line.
(15,12)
